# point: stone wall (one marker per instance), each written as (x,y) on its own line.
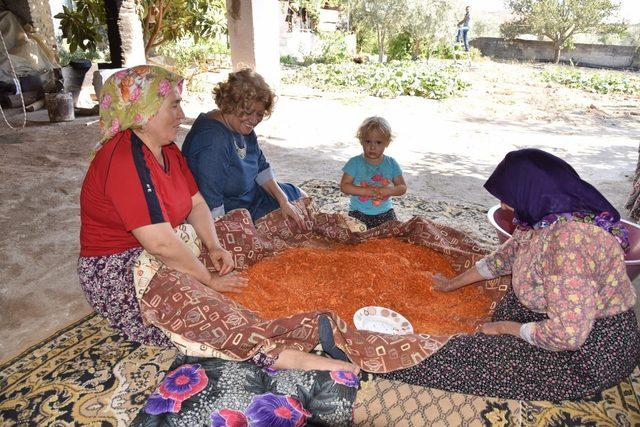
(591,55)
(38,14)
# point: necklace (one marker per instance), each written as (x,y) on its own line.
(242,151)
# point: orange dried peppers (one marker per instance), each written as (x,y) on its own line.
(344,278)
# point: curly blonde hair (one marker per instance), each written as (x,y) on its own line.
(374,123)
(241,90)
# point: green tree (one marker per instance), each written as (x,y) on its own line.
(632,37)
(162,21)
(384,17)
(427,22)
(480,28)
(560,20)
(83,26)
(165,20)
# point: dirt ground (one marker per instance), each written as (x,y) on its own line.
(446,148)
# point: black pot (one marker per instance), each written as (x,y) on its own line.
(80,64)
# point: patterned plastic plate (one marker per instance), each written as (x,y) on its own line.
(381,319)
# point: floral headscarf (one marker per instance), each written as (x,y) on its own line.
(544,189)
(129,98)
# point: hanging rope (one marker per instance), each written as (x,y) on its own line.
(18,89)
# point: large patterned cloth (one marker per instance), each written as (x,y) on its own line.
(88,374)
(203,322)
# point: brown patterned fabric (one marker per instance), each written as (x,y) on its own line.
(182,306)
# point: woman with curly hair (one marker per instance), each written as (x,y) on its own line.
(225,158)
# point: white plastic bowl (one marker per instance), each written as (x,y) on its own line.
(502,221)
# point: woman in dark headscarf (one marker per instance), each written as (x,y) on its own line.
(566,329)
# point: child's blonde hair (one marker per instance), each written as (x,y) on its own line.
(374,123)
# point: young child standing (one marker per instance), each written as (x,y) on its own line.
(371,178)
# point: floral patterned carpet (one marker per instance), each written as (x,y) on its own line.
(88,374)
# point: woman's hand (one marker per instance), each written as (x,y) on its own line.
(443,284)
(504,327)
(222,260)
(232,282)
(291,211)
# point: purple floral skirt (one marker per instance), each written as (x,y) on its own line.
(107,282)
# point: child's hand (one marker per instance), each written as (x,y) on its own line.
(384,193)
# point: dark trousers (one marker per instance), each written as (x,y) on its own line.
(372,221)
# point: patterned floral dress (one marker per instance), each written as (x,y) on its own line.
(569,284)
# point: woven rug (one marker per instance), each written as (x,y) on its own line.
(89,374)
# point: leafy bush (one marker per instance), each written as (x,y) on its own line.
(333,49)
(193,58)
(66,56)
(446,51)
(289,60)
(400,47)
(442,51)
(84,24)
(384,80)
(598,82)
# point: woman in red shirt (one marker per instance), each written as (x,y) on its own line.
(137,189)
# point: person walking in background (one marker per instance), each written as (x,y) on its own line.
(463,29)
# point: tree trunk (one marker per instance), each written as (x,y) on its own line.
(155,33)
(380,45)
(415,48)
(557,49)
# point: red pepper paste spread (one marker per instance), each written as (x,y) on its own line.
(344,278)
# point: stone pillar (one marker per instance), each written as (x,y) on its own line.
(131,35)
(126,42)
(253,37)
